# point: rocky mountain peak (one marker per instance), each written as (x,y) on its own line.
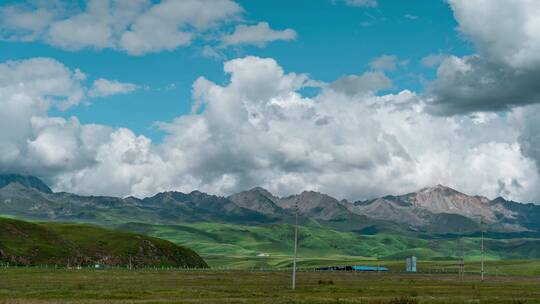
(428,206)
(263,192)
(256,199)
(315,194)
(439,188)
(499,200)
(26,181)
(441,199)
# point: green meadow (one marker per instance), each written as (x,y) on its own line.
(252,264)
(270,246)
(28,285)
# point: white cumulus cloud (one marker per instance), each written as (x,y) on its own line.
(259,34)
(104,87)
(32,142)
(505,31)
(136,27)
(384,62)
(367,83)
(362,3)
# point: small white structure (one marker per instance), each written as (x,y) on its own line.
(411,264)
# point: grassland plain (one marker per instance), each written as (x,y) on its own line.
(269,246)
(207,286)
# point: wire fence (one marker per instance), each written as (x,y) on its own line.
(100,267)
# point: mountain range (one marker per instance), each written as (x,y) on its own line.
(434,210)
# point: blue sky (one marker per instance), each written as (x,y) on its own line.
(354,98)
(333,40)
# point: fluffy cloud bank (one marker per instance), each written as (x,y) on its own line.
(503,76)
(30,140)
(506,69)
(505,31)
(529,138)
(134,26)
(259,130)
(28,89)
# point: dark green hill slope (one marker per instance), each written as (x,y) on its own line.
(26,243)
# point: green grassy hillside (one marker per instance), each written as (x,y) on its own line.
(241,246)
(26,243)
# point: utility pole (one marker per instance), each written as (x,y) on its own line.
(482,248)
(462,260)
(295,245)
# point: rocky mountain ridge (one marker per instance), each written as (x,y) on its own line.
(437,209)
(422,207)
